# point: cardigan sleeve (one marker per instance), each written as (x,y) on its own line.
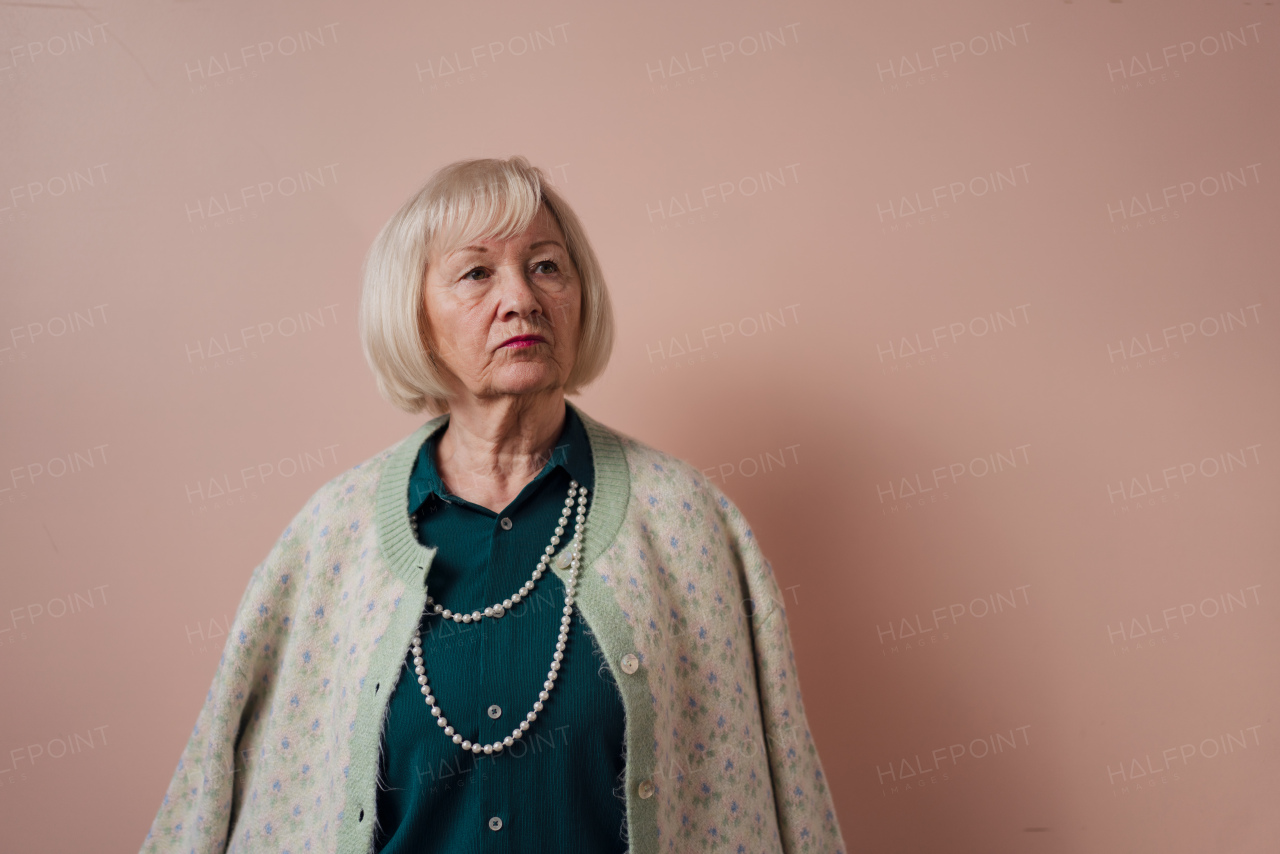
(206,791)
(807,820)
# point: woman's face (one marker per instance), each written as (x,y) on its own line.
(503,315)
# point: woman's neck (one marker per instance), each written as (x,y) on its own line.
(491,448)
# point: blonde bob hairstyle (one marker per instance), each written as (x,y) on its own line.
(465,201)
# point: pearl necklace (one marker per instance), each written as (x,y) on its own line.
(574,549)
(497,609)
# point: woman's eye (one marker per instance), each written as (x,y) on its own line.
(552,264)
(467,275)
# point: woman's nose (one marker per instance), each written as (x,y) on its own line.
(515,291)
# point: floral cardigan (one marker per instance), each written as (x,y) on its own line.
(284,755)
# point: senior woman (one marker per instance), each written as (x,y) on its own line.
(516,629)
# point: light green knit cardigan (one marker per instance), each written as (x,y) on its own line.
(284,756)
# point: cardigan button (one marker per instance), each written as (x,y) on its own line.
(505,523)
(630,664)
(495,711)
(645,789)
(495,823)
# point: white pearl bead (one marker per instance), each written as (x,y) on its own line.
(457,739)
(508,741)
(466,745)
(448,730)
(488,749)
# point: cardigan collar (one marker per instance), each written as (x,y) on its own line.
(411,560)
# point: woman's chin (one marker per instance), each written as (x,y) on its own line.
(529,378)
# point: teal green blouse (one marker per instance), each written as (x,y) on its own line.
(560,788)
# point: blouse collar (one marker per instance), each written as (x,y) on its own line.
(406,557)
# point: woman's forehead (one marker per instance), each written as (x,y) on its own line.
(542,232)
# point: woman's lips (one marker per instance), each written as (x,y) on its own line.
(523,341)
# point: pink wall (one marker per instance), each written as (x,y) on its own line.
(970,307)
